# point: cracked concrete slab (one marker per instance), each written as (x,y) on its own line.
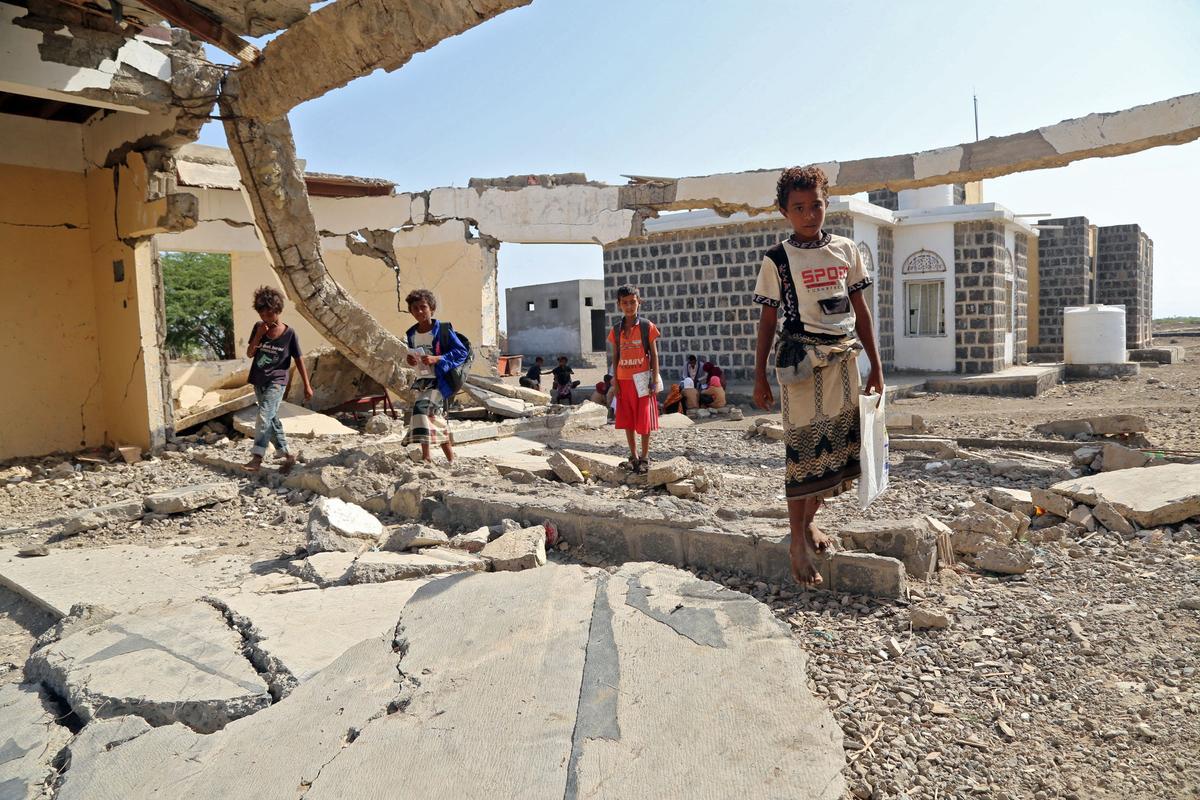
(30,738)
(551,687)
(170,662)
(305,631)
(122,578)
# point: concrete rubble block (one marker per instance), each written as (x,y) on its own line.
(121,577)
(714,549)
(926,618)
(905,422)
(168,662)
(1084,456)
(298,422)
(1117,424)
(297,634)
(326,480)
(1165,494)
(410,537)
(405,500)
(564,468)
(191,498)
(1006,559)
(1065,427)
(1018,501)
(325,569)
(1081,516)
(1120,457)
(514,391)
(379,425)
(682,489)
(381,567)
(599,466)
(334,524)
(537,466)
(31,735)
(473,541)
(869,574)
(772,431)
(92,518)
(516,550)
(188,396)
(984,522)
(1108,516)
(508,407)
(671,421)
(101,735)
(1052,502)
(664,472)
(913,541)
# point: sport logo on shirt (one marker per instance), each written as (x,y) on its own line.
(821,277)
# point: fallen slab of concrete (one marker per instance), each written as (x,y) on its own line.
(295,635)
(1150,496)
(552,680)
(31,737)
(297,421)
(166,662)
(120,578)
(191,498)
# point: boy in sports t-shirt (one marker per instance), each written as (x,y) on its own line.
(634,343)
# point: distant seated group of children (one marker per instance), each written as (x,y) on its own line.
(562,391)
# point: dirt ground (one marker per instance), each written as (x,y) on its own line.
(1076,679)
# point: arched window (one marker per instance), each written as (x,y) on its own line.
(868,260)
(923,261)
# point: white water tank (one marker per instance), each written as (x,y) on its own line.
(1094,334)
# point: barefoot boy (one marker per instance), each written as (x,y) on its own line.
(440,351)
(817,279)
(634,343)
(272,348)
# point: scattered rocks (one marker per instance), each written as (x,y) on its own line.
(517,550)
(379,425)
(335,525)
(412,537)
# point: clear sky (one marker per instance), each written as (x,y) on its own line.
(693,87)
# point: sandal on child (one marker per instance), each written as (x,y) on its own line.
(643,466)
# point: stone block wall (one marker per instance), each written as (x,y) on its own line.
(1125,276)
(885,198)
(1021,266)
(697,286)
(840,223)
(980,307)
(1063,280)
(887,307)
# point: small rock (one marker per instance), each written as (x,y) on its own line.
(413,536)
(472,542)
(564,468)
(517,550)
(923,618)
(378,425)
(33,551)
(1190,603)
(521,476)
(664,472)
(893,647)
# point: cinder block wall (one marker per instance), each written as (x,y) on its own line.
(1125,276)
(1062,280)
(980,307)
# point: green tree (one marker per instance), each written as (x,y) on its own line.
(199,307)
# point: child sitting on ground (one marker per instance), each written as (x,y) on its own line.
(634,343)
(438,351)
(273,346)
(563,385)
(532,379)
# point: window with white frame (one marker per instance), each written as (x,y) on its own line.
(926,304)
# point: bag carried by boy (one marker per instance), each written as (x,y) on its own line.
(458,375)
(873,450)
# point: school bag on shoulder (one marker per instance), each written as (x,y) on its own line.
(457,376)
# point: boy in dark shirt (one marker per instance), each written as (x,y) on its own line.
(273,346)
(562,381)
(533,375)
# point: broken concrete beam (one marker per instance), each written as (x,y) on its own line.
(190,668)
(232,400)
(1117,424)
(872,575)
(905,422)
(33,736)
(297,421)
(335,525)
(380,567)
(517,392)
(1116,457)
(516,550)
(564,469)
(1153,496)
(1065,427)
(90,518)
(508,408)
(913,541)
(325,569)
(398,538)
(191,498)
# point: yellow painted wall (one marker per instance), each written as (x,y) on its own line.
(126,328)
(49,353)
(452,268)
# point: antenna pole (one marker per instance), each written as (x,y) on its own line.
(975,101)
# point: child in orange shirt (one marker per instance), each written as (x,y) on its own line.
(634,343)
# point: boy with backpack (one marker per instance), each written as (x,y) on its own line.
(442,357)
(634,343)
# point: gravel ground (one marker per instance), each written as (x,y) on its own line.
(1076,679)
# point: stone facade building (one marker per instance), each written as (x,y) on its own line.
(1125,276)
(950,291)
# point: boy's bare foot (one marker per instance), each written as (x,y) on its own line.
(804,572)
(253,465)
(288,462)
(818,539)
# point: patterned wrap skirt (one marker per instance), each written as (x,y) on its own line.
(821,430)
(428,424)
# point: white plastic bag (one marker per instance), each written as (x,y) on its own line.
(873,452)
